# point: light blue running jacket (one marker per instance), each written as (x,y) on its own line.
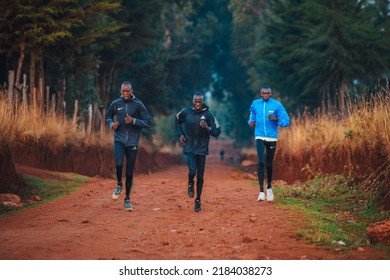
(259,111)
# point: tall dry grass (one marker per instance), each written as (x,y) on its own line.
(19,123)
(368,120)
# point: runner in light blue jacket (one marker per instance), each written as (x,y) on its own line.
(266,114)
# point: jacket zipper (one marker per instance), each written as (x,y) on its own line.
(265,130)
(127,130)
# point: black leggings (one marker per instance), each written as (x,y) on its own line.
(196,165)
(270,148)
(120,151)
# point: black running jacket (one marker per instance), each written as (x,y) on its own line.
(187,123)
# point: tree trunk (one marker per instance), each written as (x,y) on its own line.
(47,98)
(11,82)
(60,97)
(41,74)
(32,71)
(75,112)
(40,95)
(323,103)
(342,89)
(19,66)
(53,104)
(326,103)
(102,125)
(24,91)
(89,131)
(105,85)
(34,98)
(110,83)
(97,118)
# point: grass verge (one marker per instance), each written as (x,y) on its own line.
(336,211)
(47,189)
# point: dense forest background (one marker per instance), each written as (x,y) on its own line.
(316,55)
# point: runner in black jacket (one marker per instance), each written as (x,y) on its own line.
(194,125)
(131,116)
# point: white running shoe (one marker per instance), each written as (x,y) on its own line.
(117,191)
(261,197)
(270,195)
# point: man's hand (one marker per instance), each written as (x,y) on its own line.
(115,125)
(204,125)
(272,117)
(252,124)
(128,119)
(182,140)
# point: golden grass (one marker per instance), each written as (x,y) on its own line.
(18,123)
(368,120)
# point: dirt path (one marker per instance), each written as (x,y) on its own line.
(88,224)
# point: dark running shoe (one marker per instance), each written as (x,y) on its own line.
(197,207)
(190,190)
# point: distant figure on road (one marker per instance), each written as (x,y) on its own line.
(131,116)
(194,125)
(266,114)
(221,154)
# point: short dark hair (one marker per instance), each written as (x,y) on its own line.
(266,86)
(198,93)
(126,84)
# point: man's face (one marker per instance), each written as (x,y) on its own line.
(265,94)
(126,92)
(198,103)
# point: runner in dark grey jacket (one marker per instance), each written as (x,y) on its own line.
(194,125)
(127,116)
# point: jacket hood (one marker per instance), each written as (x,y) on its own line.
(131,98)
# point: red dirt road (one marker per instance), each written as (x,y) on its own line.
(232,225)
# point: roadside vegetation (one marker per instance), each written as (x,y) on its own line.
(45,190)
(367,120)
(336,211)
(19,123)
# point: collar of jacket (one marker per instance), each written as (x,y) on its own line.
(131,98)
(269,99)
(204,108)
